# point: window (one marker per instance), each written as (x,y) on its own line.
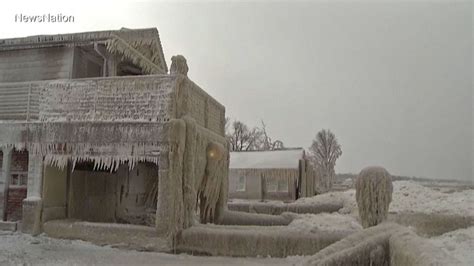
(19,178)
(272,185)
(241,184)
(277,185)
(283,185)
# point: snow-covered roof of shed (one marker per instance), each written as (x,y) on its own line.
(283,159)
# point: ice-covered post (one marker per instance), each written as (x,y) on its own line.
(263,188)
(33,204)
(373,194)
(170,207)
(4,180)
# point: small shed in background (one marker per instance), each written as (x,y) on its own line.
(271,175)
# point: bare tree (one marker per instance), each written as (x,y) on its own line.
(267,143)
(243,138)
(324,152)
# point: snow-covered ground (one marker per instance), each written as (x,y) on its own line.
(21,249)
(408,196)
(458,243)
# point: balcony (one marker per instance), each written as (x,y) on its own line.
(94,116)
(144,98)
(152,98)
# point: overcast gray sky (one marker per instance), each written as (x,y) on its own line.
(392,80)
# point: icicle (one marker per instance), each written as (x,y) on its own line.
(95,165)
(74,163)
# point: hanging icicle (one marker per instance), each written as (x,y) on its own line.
(105,157)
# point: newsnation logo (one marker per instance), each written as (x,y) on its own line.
(45,18)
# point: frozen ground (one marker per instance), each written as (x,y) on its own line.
(459,243)
(413,197)
(20,249)
(408,196)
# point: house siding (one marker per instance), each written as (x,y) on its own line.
(253,188)
(36,64)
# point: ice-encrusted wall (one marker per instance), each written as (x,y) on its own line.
(197,104)
(253,179)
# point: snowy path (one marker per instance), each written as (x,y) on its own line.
(20,249)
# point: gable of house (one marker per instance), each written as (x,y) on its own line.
(78,55)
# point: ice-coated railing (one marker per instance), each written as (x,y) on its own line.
(143,98)
(151,98)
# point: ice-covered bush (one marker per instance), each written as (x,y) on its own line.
(373,195)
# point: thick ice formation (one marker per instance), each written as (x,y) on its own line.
(373,195)
(312,223)
(82,152)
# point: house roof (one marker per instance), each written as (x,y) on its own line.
(280,159)
(143,46)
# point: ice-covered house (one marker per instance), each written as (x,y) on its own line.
(271,175)
(94,128)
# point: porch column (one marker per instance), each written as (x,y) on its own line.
(170,210)
(33,204)
(5,181)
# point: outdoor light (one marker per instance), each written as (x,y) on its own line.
(215,151)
